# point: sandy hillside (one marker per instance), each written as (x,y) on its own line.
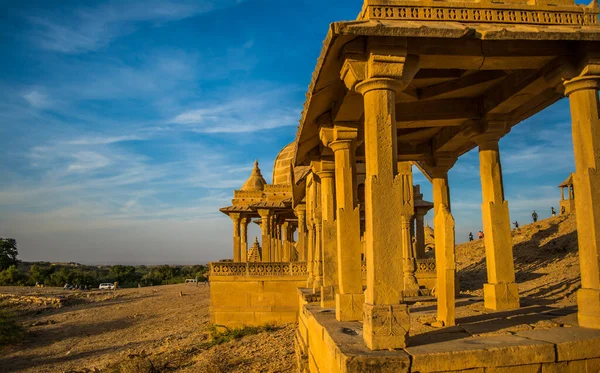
(546,262)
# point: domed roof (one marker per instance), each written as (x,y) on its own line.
(256,181)
(281,167)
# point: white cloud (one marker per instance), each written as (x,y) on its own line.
(37,99)
(88,161)
(103,140)
(262,111)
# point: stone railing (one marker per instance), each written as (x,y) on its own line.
(423,266)
(523,14)
(258,269)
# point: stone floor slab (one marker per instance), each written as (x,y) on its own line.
(571,343)
(489,351)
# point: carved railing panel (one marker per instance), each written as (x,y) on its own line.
(258,269)
(449,12)
(423,266)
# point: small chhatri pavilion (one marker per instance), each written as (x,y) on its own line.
(271,205)
(567,202)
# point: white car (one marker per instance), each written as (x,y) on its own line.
(107,286)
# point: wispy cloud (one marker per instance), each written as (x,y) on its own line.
(258,112)
(104,140)
(90,28)
(37,99)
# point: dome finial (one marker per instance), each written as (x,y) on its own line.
(256,181)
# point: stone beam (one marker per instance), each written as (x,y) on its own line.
(462,85)
(438,110)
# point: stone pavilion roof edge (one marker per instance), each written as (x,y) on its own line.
(567,182)
(430,29)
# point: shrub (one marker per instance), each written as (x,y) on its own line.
(10,331)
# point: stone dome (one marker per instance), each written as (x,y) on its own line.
(281,167)
(255,182)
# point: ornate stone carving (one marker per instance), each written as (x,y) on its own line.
(258,269)
(485,14)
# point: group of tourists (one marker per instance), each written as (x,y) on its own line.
(479,235)
(534,217)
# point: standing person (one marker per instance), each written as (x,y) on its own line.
(470,236)
(563,210)
(553,211)
(480,235)
(516,223)
(534,216)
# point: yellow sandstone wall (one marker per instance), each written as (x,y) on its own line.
(237,301)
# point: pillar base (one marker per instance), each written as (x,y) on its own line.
(588,304)
(310,281)
(327,297)
(385,326)
(349,307)
(501,296)
(317,284)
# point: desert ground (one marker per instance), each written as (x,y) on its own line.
(166,328)
(125,330)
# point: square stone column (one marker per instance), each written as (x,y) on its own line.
(445,260)
(325,170)
(265,226)
(342,139)
(420,234)
(385,318)
(501,292)
(310,231)
(583,97)
(235,218)
(411,287)
(286,242)
(300,212)
(318,236)
(244,238)
(383,71)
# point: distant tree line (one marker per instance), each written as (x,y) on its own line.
(13,272)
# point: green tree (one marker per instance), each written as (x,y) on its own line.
(8,253)
(123,274)
(12,276)
(39,274)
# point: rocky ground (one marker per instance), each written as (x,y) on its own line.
(166,329)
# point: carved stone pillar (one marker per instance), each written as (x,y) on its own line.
(318,249)
(501,292)
(300,212)
(583,97)
(445,260)
(310,234)
(407,212)
(265,226)
(244,238)
(342,139)
(420,233)
(235,217)
(286,242)
(386,71)
(325,170)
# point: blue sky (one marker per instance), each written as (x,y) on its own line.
(126,124)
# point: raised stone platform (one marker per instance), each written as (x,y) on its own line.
(251,294)
(326,345)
